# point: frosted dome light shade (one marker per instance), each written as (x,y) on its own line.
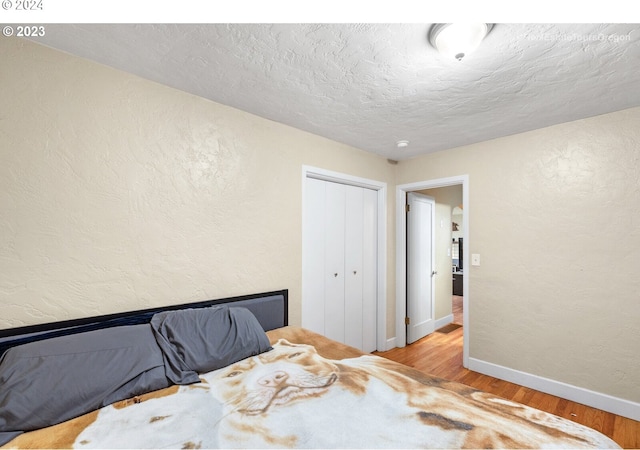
(456,40)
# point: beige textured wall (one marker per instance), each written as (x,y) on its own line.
(118,193)
(555,215)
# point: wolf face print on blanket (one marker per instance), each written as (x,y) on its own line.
(293,397)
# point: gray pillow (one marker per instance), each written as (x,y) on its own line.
(47,382)
(204,339)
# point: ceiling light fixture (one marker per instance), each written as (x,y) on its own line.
(402,144)
(457,40)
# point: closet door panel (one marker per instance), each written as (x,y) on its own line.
(313,249)
(334,270)
(353,266)
(369,269)
(340,262)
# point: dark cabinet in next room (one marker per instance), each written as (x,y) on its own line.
(457,283)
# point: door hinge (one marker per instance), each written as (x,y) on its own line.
(407,321)
(407,208)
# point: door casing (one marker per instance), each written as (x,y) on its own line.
(401,255)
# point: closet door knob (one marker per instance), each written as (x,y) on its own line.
(335,274)
(354,272)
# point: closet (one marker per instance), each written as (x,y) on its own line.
(339,270)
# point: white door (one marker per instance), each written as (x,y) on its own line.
(314,223)
(360,266)
(420,264)
(339,294)
(334,267)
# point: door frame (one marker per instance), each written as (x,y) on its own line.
(401,255)
(381,263)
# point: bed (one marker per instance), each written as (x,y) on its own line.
(231,373)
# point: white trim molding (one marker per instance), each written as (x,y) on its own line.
(446,320)
(381,190)
(615,405)
(391,343)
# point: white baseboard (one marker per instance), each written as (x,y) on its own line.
(446,320)
(615,405)
(391,343)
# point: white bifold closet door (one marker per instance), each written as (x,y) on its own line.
(340,262)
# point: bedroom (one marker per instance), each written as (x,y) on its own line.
(119,193)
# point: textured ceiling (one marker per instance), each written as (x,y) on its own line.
(370,85)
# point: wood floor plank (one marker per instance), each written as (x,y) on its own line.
(561,408)
(440,354)
(626,432)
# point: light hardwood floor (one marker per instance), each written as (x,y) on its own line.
(441,355)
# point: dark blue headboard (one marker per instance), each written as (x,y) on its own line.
(270,308)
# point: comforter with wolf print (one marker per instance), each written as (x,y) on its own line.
(311,392)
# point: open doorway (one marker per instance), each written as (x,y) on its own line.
(457,260)
(449,257)
(462,183)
